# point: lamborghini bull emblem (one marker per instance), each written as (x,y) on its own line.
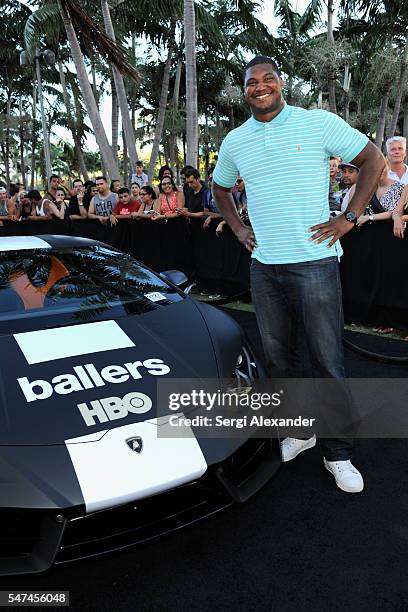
(135,444)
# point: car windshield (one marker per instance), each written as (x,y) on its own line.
(77,284)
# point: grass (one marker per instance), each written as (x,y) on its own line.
(248,307)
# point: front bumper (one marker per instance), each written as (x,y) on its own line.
(32,540)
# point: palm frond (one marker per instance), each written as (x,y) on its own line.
(45,21)
(91,36)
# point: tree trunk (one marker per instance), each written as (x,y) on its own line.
(379,133)
(115,120)
(218,128)
(346,111)
(126,177)
(33,135)
(120,89)
(22,141)
(71,124)
(206,148)
(331,77)
(191,84)
(7,138)
(89,99)
(231,116)
(400,89)
(405,129)
(94,85)
(176,93)
(163,102)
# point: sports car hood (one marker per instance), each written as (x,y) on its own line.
(63,382)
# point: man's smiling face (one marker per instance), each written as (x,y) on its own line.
(263,91)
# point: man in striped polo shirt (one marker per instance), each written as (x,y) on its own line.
(282,152)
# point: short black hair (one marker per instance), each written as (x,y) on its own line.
(101,178)
(139,163)
(77,180)
(192,172)
(263,59)
(135,183)
(54,176)
(34,194)
(184,170)
(123,190)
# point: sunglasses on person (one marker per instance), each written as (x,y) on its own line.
(142,193)
(166,183)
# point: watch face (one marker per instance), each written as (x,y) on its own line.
(350,216)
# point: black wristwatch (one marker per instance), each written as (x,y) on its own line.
(351,216)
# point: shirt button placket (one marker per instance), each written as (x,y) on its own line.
(268,136)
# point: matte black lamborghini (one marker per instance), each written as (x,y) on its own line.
(86,334)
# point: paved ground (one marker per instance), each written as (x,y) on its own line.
(300,544)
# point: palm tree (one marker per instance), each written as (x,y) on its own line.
(71,123)
(75,19)
(191,84)
(163,100)
(120,90)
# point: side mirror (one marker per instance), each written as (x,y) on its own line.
(176,277)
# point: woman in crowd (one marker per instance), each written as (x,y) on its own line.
(5,208)
(58,209)
(240,199)
(384,200)
(400,214)
(170,199)
(135,194)
(150,206)
(165,171)
(380,208)
(90,191)
(115,185)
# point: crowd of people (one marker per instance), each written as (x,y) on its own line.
(113,202)
(390,200)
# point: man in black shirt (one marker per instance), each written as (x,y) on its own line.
(197,197)
(76,209)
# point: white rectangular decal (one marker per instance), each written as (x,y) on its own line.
(50,344)
(155,296)
(131,462)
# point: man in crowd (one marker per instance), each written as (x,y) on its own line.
(396,153)
(40,206)
(295,279)
(198,196)
(348,179)
(76,208)
(103,203)
(56,182)
(7,209)
(125,208)
(139,176)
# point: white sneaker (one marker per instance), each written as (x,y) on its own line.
(291,447)
(347,477)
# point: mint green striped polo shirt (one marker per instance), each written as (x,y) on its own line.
(285,166)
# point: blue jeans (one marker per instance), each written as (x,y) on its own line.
(300,316)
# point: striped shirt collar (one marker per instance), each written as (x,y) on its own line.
(276,121)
